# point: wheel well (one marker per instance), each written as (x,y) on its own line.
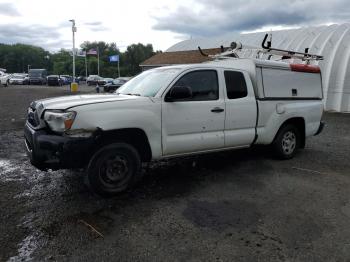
(299,123)
(133,136)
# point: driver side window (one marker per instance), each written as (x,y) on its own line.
(203,84)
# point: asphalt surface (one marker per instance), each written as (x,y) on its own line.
(233,206)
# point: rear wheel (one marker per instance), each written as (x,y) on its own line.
(287,142)
(113,169)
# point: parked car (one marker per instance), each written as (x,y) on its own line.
(37,76)
(118,82)
(54,80)
(4,78)
(81,78)
(177,111)
(19,79)
(104,81)
(93,80)
(67,79)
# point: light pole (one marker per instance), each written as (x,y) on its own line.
(74,29)
(47,57)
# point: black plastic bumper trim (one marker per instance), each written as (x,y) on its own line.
(49,151)
(320,128)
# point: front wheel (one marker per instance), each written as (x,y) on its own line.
(113,169)
(287,142)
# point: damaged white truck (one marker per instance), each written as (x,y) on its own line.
(176,111)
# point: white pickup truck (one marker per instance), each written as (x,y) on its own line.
(176,111)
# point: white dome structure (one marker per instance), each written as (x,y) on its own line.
(332,42)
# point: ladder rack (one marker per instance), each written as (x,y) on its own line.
(265,49)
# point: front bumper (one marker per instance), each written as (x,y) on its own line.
(36,81)
(53,82)
(15,82)
(49,151)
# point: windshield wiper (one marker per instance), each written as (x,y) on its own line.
(129,94)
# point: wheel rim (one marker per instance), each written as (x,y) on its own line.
(289,142)
(114,171)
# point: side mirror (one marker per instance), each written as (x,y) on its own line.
(178,93)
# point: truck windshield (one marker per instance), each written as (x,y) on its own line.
(36,73)
(149,82)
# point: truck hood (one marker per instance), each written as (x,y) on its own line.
(66,102)
(17,79)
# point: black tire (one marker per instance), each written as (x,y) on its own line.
(113,169)
(286,142)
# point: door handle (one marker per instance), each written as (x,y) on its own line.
(217,110)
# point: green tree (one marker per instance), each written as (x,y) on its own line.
(134,55)
(62,61)
(16,58)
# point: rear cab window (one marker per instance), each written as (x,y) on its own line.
(236,86)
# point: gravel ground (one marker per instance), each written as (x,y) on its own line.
(233,206)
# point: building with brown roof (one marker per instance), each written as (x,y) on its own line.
(177,57)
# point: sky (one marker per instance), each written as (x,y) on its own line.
(162,23)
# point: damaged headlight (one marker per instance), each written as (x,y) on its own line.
(59,121)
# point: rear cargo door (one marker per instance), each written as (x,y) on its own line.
(241,109)
(287,84)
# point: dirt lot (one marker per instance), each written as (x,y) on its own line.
(236,206)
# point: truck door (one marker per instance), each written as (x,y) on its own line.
(241,109)
(196,123)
